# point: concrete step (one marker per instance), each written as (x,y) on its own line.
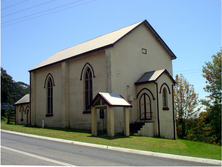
(145,130)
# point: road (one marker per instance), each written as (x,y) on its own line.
(21,150)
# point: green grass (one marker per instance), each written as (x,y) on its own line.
(178,147)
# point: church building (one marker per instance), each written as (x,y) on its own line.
(132,63)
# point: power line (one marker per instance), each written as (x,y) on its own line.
(187,73)
(41,12)
(188,70)
(47,13)
(192,71)
(27,8)
(14,4)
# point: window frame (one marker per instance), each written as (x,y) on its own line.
(49,96)
(165,99)
(88,88)
(21,109)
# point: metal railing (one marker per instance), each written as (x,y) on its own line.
(144,120)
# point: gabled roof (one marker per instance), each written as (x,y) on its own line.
(23,100)
(152,76)
(111,99)
(104,41)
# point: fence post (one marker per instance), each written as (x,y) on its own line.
(8,119)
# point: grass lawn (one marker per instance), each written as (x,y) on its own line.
(178,147)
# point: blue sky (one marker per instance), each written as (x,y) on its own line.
(33,30)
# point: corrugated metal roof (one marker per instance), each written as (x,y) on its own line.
(24,99)
(96,43)
(150,76)
(153,76)
(112,99)
(103,41)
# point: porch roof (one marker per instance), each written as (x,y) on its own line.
(111,99)
(152,76)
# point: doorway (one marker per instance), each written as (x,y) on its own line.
(145,107)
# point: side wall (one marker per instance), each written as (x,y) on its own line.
(39,96)
(68,91)
(78,118)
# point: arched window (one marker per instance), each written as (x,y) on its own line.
(88,88)
(27,113)
(48,84)
(145,107)
(21,110)
(49,96)
(165,100)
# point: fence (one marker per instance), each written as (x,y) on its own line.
(11,118)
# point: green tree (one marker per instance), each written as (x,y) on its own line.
(185,102)
(201,130)
(11,91)
(212,74)
(6,87)
(185,98)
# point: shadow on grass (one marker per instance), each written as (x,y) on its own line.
(105,136)
(61,129)
(100,134)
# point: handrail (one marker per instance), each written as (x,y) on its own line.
(139,117)
(133,125)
